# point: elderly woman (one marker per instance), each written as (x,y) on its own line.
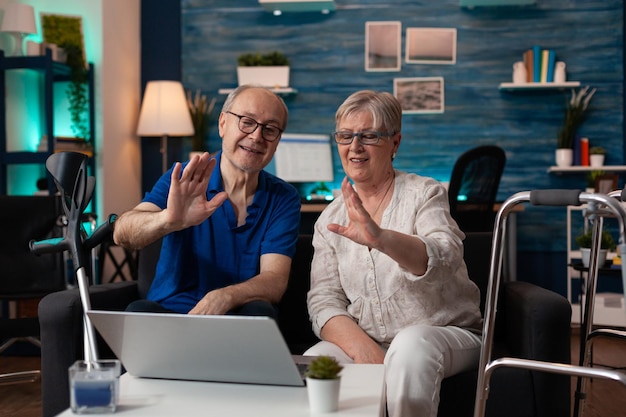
(388,280)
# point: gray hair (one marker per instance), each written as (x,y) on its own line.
(385,109)
(232,96)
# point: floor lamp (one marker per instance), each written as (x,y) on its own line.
(164,112)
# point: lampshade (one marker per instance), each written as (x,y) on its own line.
(19,18)
(164,110)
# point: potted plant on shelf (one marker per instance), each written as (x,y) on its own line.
(200,109)
(66,33)
(584,242)
(596,156)
(268,70)
(575,113)
(323,382)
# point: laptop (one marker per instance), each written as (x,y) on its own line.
(240,349)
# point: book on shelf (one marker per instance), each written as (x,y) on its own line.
(584,152)
(528,61)
(539,64)
(67,144)
(536,63)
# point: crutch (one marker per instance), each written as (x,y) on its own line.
(542,198)
(69,172)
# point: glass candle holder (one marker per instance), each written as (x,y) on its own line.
(94,386)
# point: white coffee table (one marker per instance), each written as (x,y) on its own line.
(362,394)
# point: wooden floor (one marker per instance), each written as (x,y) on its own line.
(605,398)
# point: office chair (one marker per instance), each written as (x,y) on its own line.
(473,187)
(24,275)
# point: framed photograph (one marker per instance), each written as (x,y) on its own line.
(430,46)
(420,95)
(383,50)
(606,183)
(65,31)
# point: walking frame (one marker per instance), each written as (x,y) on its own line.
(599,206)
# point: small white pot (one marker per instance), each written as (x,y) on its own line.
(323,394)
(585,254)
(596,160)
(273,77)
(564,157)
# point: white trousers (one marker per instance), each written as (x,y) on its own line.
(416,362)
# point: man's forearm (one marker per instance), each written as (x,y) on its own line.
(136,229)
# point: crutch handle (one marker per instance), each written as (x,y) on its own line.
(52,245)
(555,197)
(101,233)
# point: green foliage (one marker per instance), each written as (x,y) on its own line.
(256,59)
(66,32)
(597,150)
(592,176)
(574,116)
(584,240)
(200,109)
(324,367)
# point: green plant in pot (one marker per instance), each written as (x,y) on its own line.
(584,242)
(267,70)
(575,114)
(323,382)
(200,109)
(596,156)
(271,59)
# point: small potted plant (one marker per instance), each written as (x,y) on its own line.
(584,242)
(323,382)
(267,70)
(575,113)
(596,156)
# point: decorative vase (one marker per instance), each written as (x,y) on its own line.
(596,160)
(323,394)
(585,254)
(559,72)
(564,157)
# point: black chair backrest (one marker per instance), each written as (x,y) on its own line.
(474,185)
(23,274)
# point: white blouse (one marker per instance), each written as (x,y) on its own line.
(380,296)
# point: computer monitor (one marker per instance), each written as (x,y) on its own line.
(303,158)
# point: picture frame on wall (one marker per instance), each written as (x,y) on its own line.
(383,46)
(606,183)
(431,46)
(420,94)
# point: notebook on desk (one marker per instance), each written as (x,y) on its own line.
(237,349)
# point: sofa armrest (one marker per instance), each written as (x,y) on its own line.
(61,324)
(536,322)
(537,326)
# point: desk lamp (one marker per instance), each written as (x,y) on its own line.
(19,21)
(164,113)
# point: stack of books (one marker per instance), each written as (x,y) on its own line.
(67,144)
(539,64)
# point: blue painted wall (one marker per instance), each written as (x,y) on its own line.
(327,56)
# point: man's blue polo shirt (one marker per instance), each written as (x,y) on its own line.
(217,252)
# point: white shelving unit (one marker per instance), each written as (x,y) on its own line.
(279,91)
(609,308)
(538,86)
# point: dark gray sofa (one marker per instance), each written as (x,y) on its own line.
(532,323)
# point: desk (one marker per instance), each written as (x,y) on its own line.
(362,388)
